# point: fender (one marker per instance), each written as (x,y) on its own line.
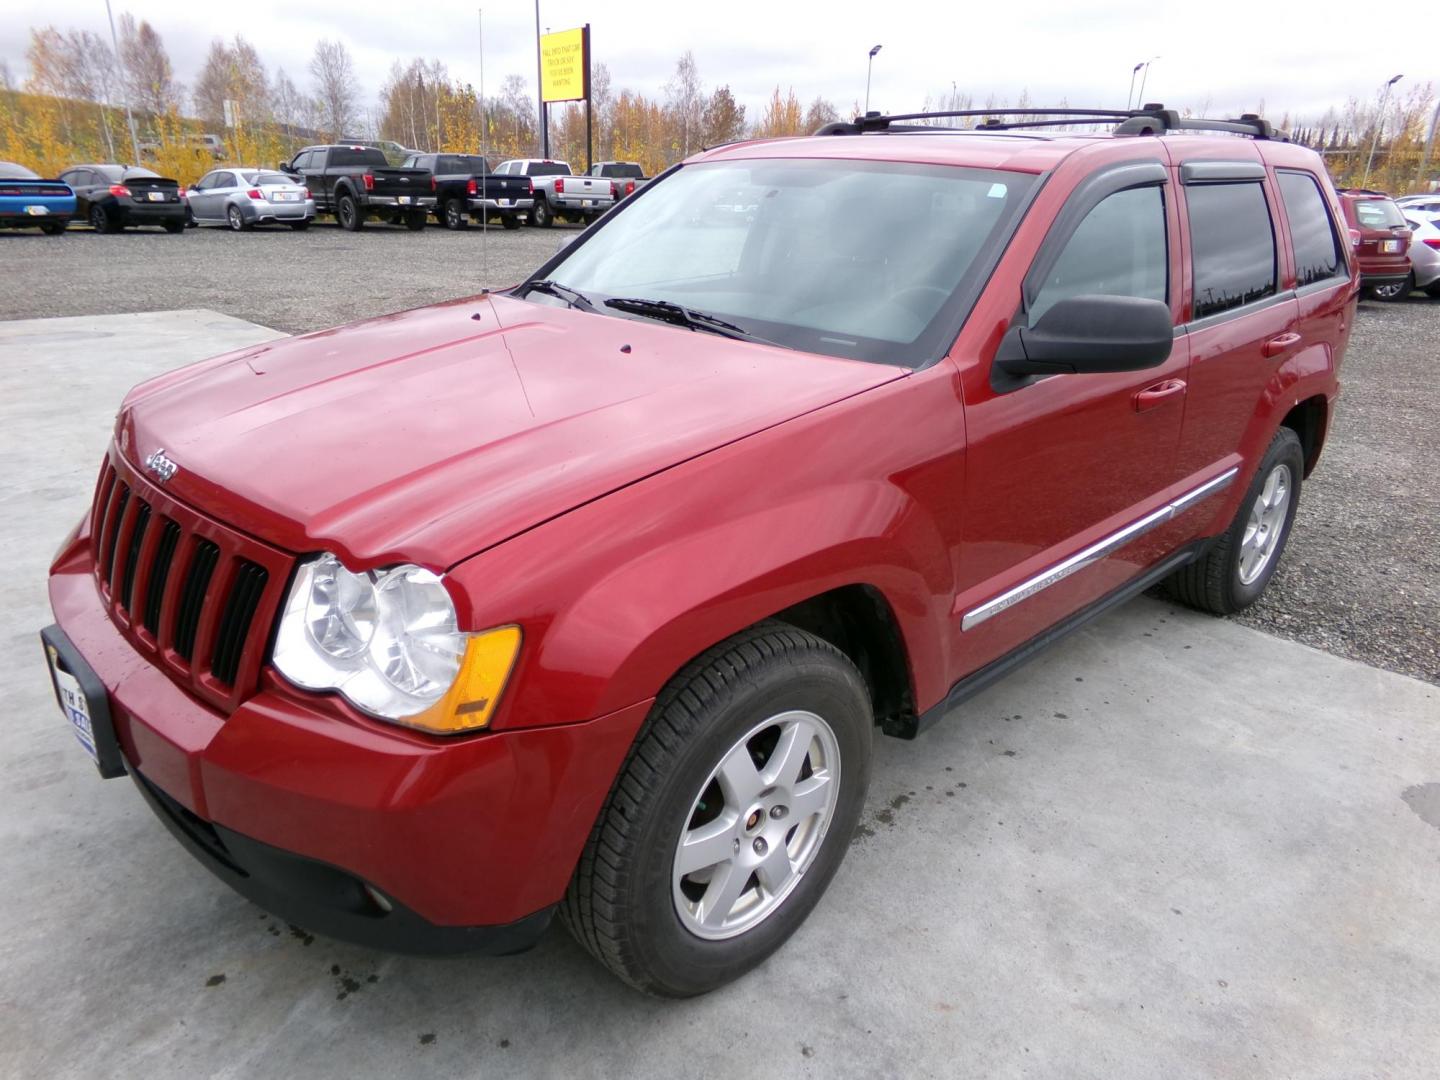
(616,596)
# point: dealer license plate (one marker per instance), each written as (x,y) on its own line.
(156,196)
(37,211)
(74,705)
(403,200)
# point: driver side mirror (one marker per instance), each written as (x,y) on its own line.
(1090,334)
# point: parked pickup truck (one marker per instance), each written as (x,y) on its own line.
(559,193)
(588,597)
(355,183)
(467,190)
(628,176)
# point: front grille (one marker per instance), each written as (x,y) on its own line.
(195,596)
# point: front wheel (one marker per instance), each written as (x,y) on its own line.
(731,815)
(1398,290)
(542,215)
(1238,566)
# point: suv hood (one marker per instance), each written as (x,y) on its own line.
(429,435)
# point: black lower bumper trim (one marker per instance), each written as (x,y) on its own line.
(324,898)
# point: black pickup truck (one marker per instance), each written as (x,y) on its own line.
(355,183)
(468,189)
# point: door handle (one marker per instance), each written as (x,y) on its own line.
(1154,396)
(1277,345)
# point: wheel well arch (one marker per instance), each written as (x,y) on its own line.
(1309,419)
(858,620)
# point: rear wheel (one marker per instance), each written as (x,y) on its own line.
(1397,291)
(54,228)
(1433,290)
(101,220)
(541,215)
(456,216)
(730,816)
(1234,572)
(236,219)
(347,212)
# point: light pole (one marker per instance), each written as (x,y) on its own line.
(1379,126)
(124,88)
(868,68)
(1130,97)
(1143,76)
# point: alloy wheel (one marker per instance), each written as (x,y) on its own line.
(756,825)
(1265,524)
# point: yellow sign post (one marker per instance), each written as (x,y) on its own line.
(565,65)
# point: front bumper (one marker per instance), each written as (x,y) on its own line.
(311,804)
(392,202)
(500,206)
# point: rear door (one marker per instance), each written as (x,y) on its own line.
(1060,467)
(1242,320)
(311,167)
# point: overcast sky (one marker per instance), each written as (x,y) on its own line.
(1294,56)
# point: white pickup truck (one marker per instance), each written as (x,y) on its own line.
(559,192)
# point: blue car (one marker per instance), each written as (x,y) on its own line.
(26,201)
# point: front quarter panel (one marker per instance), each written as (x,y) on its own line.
(616,596)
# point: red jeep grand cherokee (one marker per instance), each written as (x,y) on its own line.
(587,596)
(1380,236)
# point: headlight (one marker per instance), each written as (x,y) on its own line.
(387,640)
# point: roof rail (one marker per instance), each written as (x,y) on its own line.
(1146,120)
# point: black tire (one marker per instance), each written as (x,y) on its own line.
(1213,582)
(299,226)
(190,222)
(174,227)
(1433,290)
(541,215)
(455,214)
(416,221)
(1390,294)
(620,904)
(235,219)
(102,221)
(510,221)
(54,228)
(348,213)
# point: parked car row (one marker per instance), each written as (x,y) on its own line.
(1394,260)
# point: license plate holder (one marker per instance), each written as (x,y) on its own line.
(83,702)
(37,211)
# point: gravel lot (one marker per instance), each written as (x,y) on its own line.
(1361,577)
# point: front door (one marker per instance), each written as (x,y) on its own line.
(1068,477)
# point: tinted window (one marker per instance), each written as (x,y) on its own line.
(108,173)
(1233,246)
(1378,214)
(345,155)
(459,163)
(1317,247)
(267,178)
(624,169)
(547,168)
(303,160)
(1118,250)
(223,180)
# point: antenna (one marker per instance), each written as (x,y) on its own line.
(484,154)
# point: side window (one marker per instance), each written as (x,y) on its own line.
(302,161)
(1119,249)
(223,180)
(204,183)
(1317,245)
(1233,245)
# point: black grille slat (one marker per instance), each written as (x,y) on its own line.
(234,629)
(132,554)
(160,574)
(192,596)
(112,536)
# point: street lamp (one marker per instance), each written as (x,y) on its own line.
(868,68)
(1379,126)
(1143,76)
(1130,97)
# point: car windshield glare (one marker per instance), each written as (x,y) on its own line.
(876,261)
(1379,214)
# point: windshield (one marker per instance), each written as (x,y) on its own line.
(1378,214)
(874,261)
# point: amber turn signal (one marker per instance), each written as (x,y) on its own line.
(470,702)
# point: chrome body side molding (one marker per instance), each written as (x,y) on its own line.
(1096,551)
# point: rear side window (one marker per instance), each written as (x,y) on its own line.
(1118,250)
(1317,246)
(1233,245)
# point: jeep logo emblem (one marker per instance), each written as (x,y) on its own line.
(160,465)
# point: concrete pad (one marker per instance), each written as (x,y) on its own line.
(1173,846)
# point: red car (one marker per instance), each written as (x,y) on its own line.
(587,597)
(1381,238)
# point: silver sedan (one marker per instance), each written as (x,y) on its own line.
(243,198)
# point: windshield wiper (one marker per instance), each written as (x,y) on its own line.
(678,315)
(574,297)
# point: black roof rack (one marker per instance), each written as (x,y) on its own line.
(1146,120)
